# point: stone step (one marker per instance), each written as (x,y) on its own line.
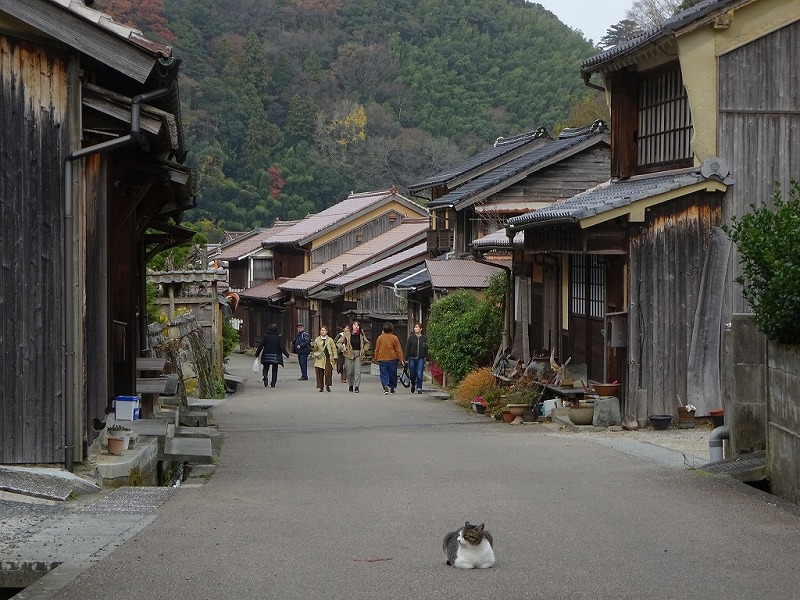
(198,432)
(193,418)
(188,449)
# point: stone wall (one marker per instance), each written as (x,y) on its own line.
(783,424)
(745,385)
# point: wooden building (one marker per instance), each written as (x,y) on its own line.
(92,186)
(703,117)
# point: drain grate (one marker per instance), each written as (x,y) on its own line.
(740,467)
(130,500)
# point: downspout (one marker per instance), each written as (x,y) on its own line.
(715,441)
(398,295)
(69,265)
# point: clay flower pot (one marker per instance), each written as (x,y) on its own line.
(115,445)
(507,416)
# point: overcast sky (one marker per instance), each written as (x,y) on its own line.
(592,17)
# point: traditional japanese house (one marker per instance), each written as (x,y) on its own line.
(93,186)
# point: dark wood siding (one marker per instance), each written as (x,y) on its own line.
(33,113)
(667,255)
(561,180)
(759,121)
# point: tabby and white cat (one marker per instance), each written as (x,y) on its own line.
(469,547)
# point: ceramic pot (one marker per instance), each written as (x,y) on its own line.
(115,445)
(517,409)
(660,422)
(508,417)
(685,418)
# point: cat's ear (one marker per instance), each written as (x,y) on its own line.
(479,529)
(467,524)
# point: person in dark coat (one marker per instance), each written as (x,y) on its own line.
(302,347)
(271,350)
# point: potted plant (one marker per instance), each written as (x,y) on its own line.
(479,405)
(120,431)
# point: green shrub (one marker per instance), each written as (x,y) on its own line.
(463,333)
(769,246)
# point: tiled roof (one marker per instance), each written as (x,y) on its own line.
(498,239)
(501,146)
(245,245)
(519,168)
(457,273)
(268,290)
(381,267)
(706,9)
(314,225)
(134,36)
(618,194)
(415,278)
(410,231)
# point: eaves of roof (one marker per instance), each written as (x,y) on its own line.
(349,209)
(499,241)
(92,33)
(386,245)
(624,53)
(378,270)
(502,146)
(412,279)
(269,291)
(629,197)
(518,169)
(457,273)
(249,243)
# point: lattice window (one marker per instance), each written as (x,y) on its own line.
(665,121)
(587,286)
(262,269)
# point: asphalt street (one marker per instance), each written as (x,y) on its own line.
(341,495)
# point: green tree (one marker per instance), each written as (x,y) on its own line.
(464,332)
(768,240)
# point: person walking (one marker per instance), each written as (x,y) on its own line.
(353,345)
(325,354)
(416,353)
(340,360)
(388,353)
(302,347)
(272,350)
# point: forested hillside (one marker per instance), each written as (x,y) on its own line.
(291,104)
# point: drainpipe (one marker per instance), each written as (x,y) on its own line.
(69,265)
(715,441)
(398,295)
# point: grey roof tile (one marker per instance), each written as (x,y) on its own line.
(458,273)
(387,264)
(501,146)
(410,231)
(610,195)
(701,10)
(244,245)
(314,225)
(526,163)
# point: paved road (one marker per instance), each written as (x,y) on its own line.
(338,495)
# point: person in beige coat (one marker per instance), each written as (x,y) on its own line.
(324,352)
(353,345)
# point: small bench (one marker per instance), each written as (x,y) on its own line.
(193,418)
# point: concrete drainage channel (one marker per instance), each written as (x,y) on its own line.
(47,543)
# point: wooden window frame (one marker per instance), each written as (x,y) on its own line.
(664,128)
